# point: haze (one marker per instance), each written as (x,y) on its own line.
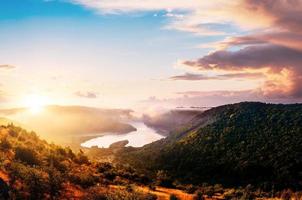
(148,57)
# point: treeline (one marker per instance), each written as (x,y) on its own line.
(233,145)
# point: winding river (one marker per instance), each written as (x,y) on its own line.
(144,135)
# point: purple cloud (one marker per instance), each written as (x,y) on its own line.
(198,77)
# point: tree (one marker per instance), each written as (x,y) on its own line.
(36,183)
(162,179)
(27,156)
(55,181)
(5,144)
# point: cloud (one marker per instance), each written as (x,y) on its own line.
(272,45)
(251,57)
(6,66)
(212,98)
(195,15)
(198,77)
(283,38)
(109,6)
(282,65)
(191,15)
(90,95)
(274,48)
(284,14)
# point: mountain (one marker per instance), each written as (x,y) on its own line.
(71,124)
(238,144)
(247,143)
(166,122)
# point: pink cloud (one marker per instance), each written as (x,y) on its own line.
(282,65)
(198,77)
(276,49)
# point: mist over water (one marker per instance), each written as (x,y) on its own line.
(144,135)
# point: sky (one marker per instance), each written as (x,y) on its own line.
(124,53)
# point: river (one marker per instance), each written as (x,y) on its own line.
(144,135)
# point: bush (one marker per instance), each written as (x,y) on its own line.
(27,156)
(218,188)
(13,133)
(162,179)
(151,187)
(190,189)
(81,158)
(5,144)
(150,196)
(85,179)
(199,196)
(55,181)
(110,175)
(129,188)
(36,181)
(103,167)
(209,191)
(286,194)
(173,197)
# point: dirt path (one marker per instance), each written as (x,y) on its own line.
(164,193)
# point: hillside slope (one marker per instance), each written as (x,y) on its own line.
(31,168)
(245,143)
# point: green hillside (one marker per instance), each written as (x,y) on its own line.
(239,144)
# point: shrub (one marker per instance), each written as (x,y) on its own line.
(55,181)
(162,179)
(151,187)
(36,182)
(199,196)
(13,133)
(218,188)
(81,158)
(5,144)
(110,175)
(173,197)
(103,167)
(209,191)
(27,156)
(190,189)
(129,188)
(150,196)
(85,179)
(286,194)
(229,194)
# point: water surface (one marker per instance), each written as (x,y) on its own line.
(144,135)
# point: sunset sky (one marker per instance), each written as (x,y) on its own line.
(121,53)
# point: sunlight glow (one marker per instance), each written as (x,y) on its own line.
(35,103)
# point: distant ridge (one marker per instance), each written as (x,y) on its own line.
(237,144)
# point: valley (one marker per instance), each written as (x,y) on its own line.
(219,154)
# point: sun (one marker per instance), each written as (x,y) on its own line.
(35,103)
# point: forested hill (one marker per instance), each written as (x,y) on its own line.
(244,143)
(31,168)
